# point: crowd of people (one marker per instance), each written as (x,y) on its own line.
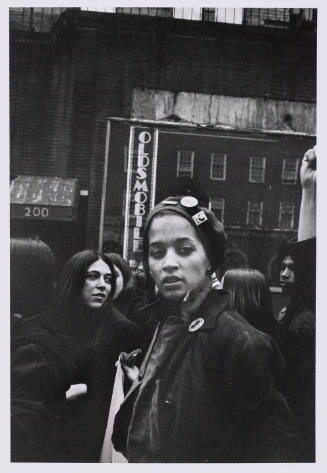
(210,374)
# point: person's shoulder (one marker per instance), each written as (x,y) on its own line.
(231,320)
(235,344)
(120,323)
(237,331)
(222,317)
(39,325)
(39,345)
(303,321)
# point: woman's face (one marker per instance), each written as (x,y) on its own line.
(119,282)
(97,285)
(177,258)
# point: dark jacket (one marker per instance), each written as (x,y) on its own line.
(45,362)
(300,325)
(298,319)
(41,367)
(208,395)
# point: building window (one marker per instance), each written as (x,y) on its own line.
(217,205)
(286,215)
(254,213)
(257,169)
(185,161)
(218,166)
(164,12)
(290,168)
(208,14)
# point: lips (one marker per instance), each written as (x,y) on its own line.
(285,284)
(100,295)
(171,280)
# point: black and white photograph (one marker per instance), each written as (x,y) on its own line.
(162,170)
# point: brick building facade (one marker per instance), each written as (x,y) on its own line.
(246,92)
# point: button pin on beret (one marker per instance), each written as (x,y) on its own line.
(209,229)
(189,202)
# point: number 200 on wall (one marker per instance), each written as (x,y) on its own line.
(38,212)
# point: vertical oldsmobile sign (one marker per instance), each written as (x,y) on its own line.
(140,189)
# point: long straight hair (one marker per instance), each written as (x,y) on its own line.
(68,289)
(249,293)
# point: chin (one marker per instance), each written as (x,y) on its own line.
(95,305)
(173,295)
(285,289)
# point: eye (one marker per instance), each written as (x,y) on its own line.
(185,250)
(108,278)
(156,253)
(92,276)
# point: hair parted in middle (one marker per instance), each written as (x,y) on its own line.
(73,275)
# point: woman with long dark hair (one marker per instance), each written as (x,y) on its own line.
(250,297)
(76,399)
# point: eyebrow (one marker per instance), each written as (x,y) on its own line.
(178,240)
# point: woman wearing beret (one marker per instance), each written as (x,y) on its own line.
(207,388)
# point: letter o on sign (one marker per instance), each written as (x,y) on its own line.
(144,137)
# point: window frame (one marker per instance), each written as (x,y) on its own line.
(292,204)
(212,156)
(263,158)
(222,208)
(296,171)
(178,162)
(260,215)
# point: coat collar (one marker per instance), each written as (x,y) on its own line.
(214,304)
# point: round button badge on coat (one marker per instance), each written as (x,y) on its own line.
(196,324)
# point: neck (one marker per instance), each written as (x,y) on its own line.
(192,300)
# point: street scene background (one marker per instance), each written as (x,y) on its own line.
(228,93)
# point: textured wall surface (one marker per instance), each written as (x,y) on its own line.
(233,112)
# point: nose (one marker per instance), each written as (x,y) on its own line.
(285,273)
(170,262)
(101,283)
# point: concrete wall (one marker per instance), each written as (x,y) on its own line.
(232,112)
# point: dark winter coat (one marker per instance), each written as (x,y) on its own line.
(208,395)
(44,364)
(298,319)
